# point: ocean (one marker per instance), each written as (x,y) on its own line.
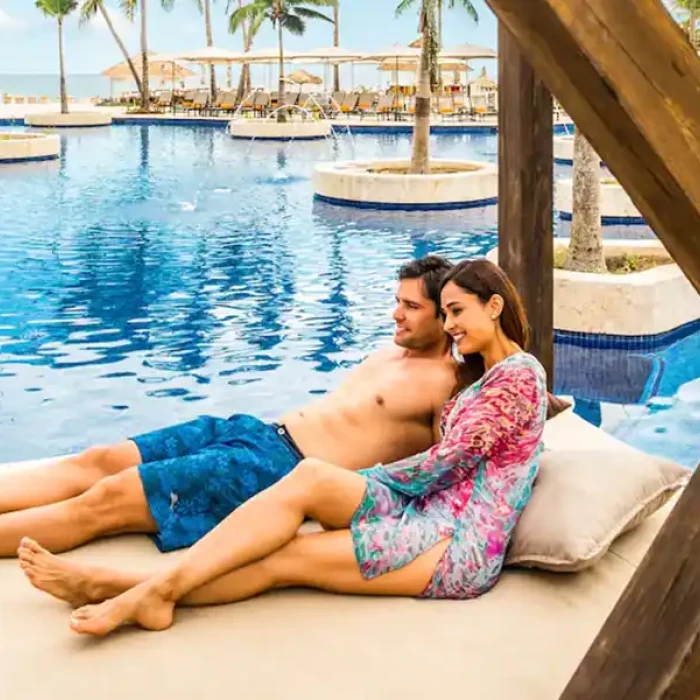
(78,85)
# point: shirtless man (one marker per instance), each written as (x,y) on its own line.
(180,482)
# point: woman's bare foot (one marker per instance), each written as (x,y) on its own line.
(143,605)
(62,579)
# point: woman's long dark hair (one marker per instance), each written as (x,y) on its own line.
(484,279)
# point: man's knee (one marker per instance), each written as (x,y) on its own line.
(311,473)
(108,505)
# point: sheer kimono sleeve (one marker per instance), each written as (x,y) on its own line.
(506,402)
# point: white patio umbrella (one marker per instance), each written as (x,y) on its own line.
(211,54)
(468,51)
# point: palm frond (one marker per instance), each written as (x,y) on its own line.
(255,25)
(200,6)
(293,24)
(294,4)
(311,14)
(466,5)
(88,10)
(167,4)
(129,8)
(404,6)
(247,12)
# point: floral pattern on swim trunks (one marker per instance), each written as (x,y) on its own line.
(471,487)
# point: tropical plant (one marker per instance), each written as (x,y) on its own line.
(88,10)
(283,14)
(130,7)
(585,252)
(59,10)
(249,28)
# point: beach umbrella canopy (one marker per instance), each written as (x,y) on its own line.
(211,54)
(406,65)
(159,66)
(327,54)
(302,77)
(468,51)
(484,81)
(396,52)
(265,55)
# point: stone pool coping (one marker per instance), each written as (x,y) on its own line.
(638,310)
(352,184)
(616,207)
(71,120)
(271,130)
(21,147)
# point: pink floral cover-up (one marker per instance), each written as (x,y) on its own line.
(471,487)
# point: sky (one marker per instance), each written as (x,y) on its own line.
(28,39)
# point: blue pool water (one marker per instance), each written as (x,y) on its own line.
(156,273)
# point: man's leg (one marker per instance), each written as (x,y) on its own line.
(64,477)
(115,504)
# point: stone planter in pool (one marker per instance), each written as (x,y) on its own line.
(23,147)
(616,207)
(645,303)
(564,150)
(271,130)
(72,119)
(384,184)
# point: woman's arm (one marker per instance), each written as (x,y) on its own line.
(507,401)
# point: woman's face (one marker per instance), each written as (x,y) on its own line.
(471,323)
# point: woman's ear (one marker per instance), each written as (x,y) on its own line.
(496,305)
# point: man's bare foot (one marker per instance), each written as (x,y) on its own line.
(143,605)
(61,579)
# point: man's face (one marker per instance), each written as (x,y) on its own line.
(417,326)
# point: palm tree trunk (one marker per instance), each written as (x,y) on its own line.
(336,43)
(586,246)
(691,28)
(244,79)
(420,152)
(145,82)
(62,69)
(281,116)
(440,9)
(210,42)
(122,48)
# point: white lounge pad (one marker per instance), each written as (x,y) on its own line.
(521,641)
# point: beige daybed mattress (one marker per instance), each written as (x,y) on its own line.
(523,640)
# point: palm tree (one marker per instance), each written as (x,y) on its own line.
(336,43)
(585,252)
(420,149)
(249,28)
(88,10)
(59,10)
(283,14)
(205,8)
(441,5)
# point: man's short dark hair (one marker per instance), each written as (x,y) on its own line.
(430,269)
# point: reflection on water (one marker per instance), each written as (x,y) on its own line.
(155,268)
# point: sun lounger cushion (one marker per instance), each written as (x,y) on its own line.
(583,499)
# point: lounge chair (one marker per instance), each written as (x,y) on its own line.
(521,641)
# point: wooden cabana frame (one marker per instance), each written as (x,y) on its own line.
(630,80)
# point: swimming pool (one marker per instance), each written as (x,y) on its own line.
(156,273)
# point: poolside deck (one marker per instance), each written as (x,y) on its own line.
(521,641)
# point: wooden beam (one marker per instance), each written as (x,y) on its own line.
(630,80)
(525,238)
(649,647)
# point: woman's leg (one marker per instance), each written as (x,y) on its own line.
(114,505)
(264,524)
(65,477)
(325,561)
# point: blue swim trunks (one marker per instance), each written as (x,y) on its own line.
(197,473)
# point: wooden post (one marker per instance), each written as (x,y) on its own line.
(630,80)
(525,243)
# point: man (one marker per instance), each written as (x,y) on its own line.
(180,482)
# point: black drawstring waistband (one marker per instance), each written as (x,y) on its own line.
(282,431)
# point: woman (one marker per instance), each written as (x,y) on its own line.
(433,525)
